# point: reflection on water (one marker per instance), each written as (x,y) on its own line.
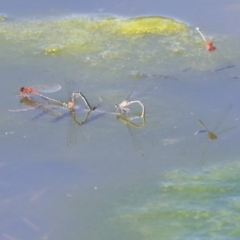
(137,122)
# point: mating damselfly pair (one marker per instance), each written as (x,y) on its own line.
(50,104)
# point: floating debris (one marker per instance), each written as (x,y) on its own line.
(52,49)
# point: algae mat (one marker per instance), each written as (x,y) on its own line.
(184,205)
(78,33)
(154,41)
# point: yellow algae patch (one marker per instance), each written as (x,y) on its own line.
(138,26)
(52,49)
(77,34)
(149,25)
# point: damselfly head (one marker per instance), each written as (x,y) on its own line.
(21,89)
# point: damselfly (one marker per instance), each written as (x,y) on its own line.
(122,106)
(74,93)
(208,44)
(25,91)
(213,135)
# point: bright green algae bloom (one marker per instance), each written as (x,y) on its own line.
(77,34)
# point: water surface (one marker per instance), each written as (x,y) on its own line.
(104,179)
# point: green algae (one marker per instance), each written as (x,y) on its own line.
(139,26)
(52,49)
(100,41)
(82,33)
(185,205)
(150,25)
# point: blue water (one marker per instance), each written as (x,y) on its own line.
(106,179)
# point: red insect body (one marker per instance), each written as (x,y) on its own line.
(209,46)
(27,90)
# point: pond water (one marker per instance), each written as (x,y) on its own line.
(108,179)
